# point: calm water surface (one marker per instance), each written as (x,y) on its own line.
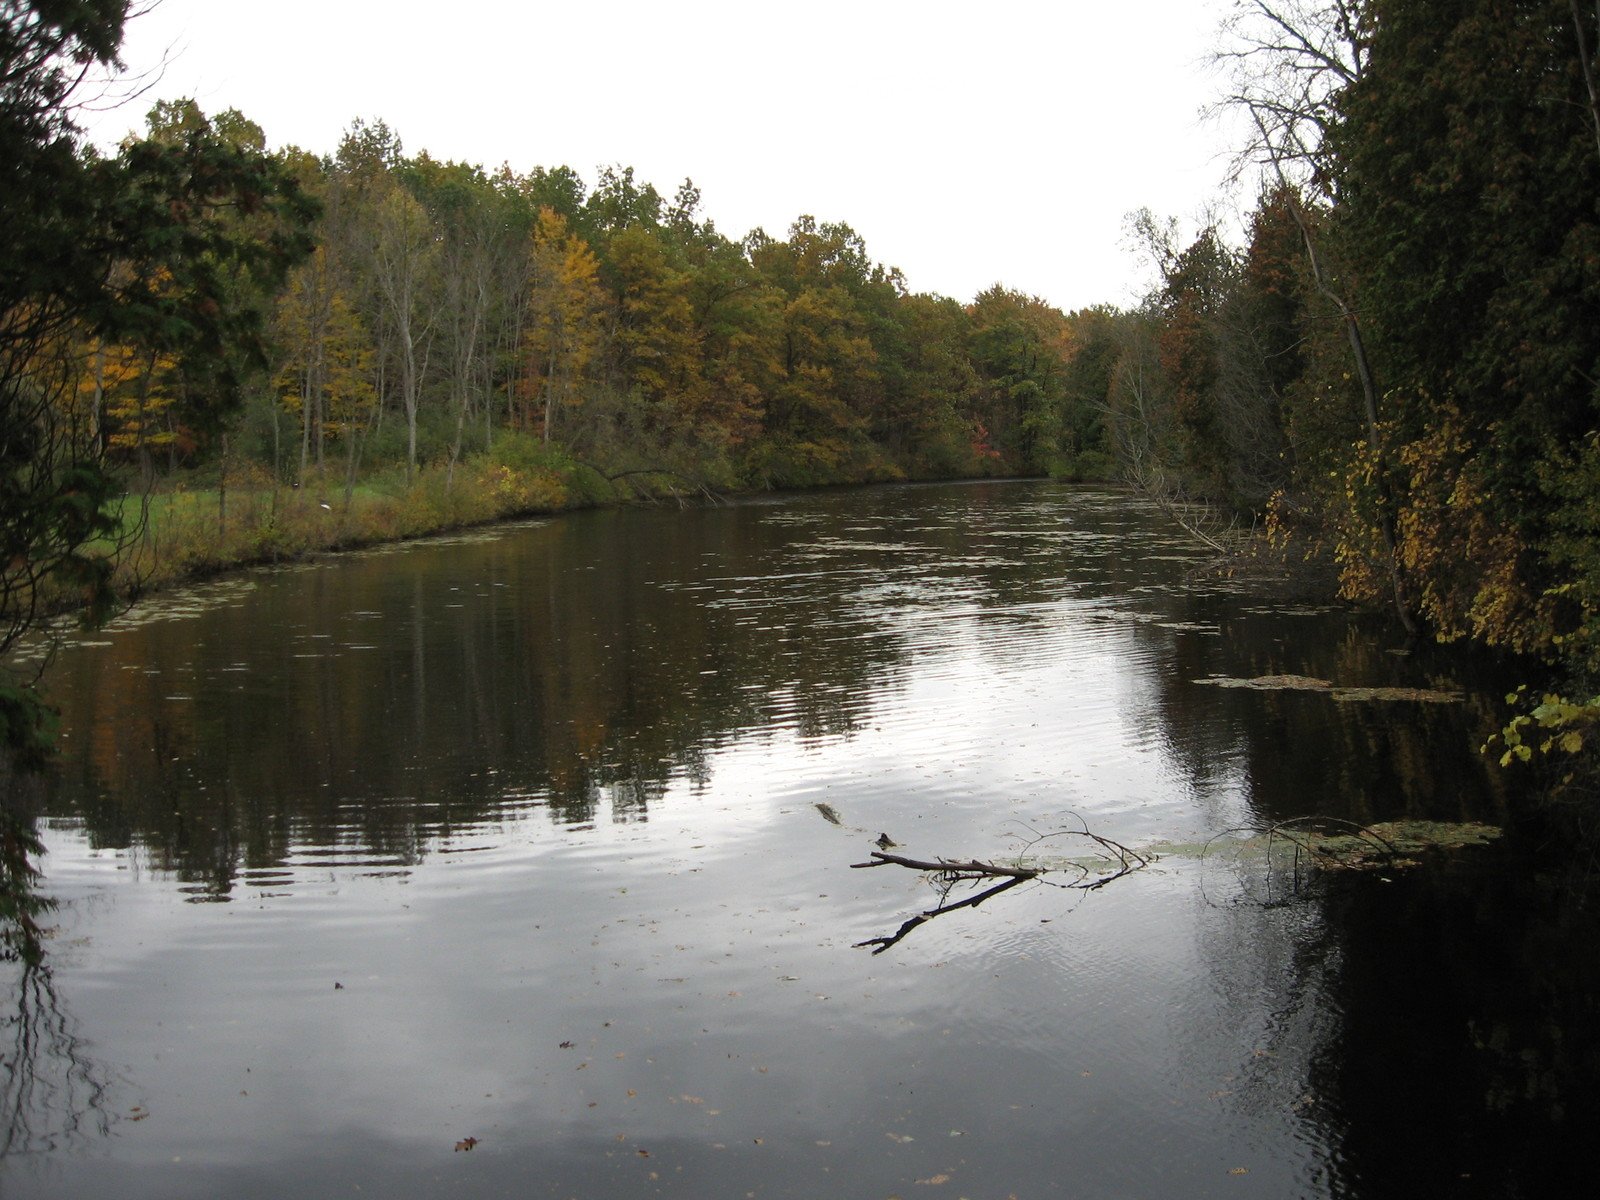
(516,838)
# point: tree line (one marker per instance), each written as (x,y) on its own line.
(1400,370)
(443,307)
(1392,371)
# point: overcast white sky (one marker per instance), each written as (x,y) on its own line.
(969,144)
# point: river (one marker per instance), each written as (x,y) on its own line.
(521,864)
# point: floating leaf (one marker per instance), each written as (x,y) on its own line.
(466,1143)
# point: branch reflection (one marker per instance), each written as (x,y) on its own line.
(51,1091)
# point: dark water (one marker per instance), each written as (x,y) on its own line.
(516,838)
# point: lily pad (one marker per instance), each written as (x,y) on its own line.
(1343,695)
(1389,843)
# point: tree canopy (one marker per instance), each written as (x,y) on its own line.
(150,273)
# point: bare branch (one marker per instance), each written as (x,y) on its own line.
(1289,61)
(1111,861)
(971,869)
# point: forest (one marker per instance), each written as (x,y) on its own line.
(1392,374)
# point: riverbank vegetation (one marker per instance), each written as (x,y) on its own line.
(216,352)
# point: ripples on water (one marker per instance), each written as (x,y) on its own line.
(517,837)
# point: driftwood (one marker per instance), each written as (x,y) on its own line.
(946,873)
(944,866)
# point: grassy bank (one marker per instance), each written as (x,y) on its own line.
(193,527)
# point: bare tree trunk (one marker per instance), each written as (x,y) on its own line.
(222,491)
(408,397)
(354,449)
(305,423)
(1587,62)
(97,409)
(549,399)
(277,459)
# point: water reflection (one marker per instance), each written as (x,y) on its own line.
(52,1091)
(1499,1017)
(544,806)
(581,667)
(1430,1029)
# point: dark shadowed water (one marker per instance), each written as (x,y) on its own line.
(516,838)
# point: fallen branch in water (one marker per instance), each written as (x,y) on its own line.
(1112,860)
(943,866)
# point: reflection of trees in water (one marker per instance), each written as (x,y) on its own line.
(1469,1005)
(588,665)
(1359,1007)
(1297,753)
(21,905)
(1433,1030)
(1272,965)
(51,1091)
(582,667)
(579,674)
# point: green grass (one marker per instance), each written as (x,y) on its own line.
(179,531)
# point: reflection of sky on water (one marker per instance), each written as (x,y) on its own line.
(721,992)
(574,800)
(1051,714)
